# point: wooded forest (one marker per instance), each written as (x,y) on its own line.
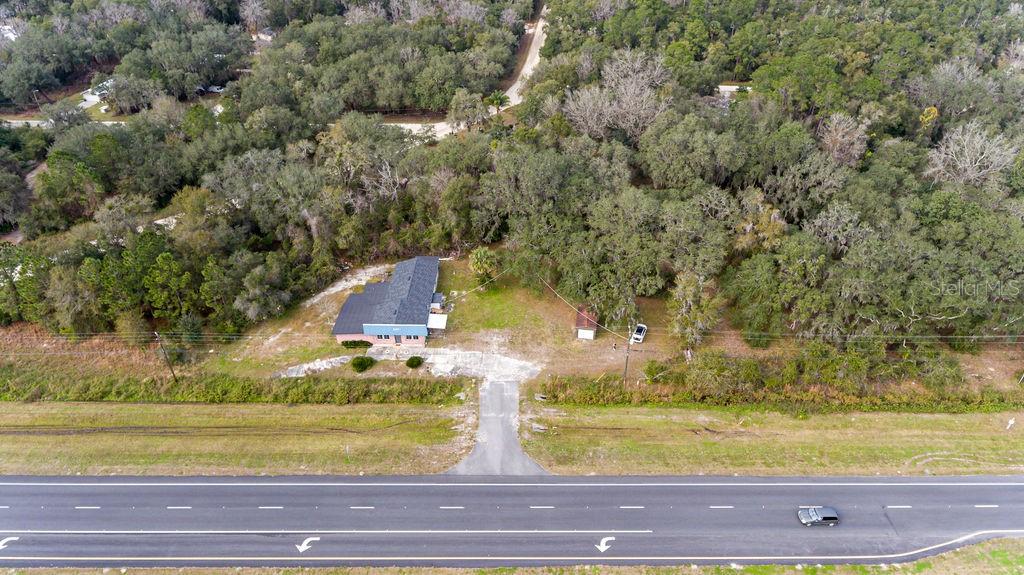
(866,182)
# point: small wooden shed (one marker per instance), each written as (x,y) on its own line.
(586,323)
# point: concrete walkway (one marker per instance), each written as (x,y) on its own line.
(497,450)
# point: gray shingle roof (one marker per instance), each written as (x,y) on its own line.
(404,299)
(359,309)
(410,290)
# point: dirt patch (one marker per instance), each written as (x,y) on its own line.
(30,178)
(995,366)
(13,237)
(351,280)
(315,366)
(922,461)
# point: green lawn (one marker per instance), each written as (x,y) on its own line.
(650,440)
(155,439)
(249,360)
(503,304)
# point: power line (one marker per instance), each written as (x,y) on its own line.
(568,303)
(998,339)
(142,337)
(481,286)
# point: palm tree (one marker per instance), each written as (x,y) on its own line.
(497,99)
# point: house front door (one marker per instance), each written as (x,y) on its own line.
(398,340)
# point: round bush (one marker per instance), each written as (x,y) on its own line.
(414,362)
(362,363)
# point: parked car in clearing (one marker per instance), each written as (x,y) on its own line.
(639,333)
(815,516)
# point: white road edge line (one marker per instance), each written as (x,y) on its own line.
(604,559)
(567,484)
(721,507)
(334,532)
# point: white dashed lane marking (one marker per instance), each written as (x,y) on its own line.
(271,507)
(631,506)
(720,507)
(87,507)
(362,507)
(542,507)
(178,507)
(451,507)
(899,506)
(986,506)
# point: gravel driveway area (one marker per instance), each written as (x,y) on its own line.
(497,450)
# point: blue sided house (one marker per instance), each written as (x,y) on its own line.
(399,311)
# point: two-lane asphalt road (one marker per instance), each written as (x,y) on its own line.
(493,521)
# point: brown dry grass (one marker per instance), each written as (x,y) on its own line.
(30,345)
(678,441)
(167,439)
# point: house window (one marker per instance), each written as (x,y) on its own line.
(413,337)
(379,337)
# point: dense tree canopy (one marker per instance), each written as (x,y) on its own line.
(869,183)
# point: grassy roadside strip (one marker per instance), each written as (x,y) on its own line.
(45,383)
(999,557)
(820,379)
(667,440)
(195,439)
(582,391)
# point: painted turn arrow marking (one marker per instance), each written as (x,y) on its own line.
(603,545)
(3,543)
(306,544)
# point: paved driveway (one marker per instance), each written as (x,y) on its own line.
(497,450)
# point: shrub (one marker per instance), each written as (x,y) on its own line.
(362,363)
(655,369)
(355,344)
(819,379)
(132,329)
(414,362)
(33,384)
(484,263)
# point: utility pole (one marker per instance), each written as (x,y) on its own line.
(167,358)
